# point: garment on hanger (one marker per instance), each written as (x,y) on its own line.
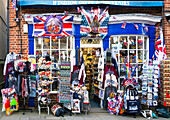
(9,64)
(106,69)
(24,87)
(13,82)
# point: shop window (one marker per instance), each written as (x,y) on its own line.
(132,49)
(57,49)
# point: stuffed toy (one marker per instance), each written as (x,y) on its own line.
(7,107)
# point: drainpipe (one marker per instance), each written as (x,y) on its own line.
(7,26)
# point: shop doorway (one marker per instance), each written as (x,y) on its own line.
(91,57)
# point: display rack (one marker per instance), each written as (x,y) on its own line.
(64,82)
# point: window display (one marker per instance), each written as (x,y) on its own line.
(132,49)
(56,50)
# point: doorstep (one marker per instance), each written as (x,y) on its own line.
(98,110)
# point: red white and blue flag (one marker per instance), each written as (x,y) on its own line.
(55,26)
(14,4)
(123,25)
(136,26)
(160,49)
(94,21)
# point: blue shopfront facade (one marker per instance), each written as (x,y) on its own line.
(114,27)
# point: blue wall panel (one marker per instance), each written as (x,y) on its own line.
(31,39)
(76,33)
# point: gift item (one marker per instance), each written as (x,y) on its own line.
(150,83)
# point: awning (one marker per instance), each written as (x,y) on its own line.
(118,3)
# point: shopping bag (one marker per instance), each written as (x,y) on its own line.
(133,106)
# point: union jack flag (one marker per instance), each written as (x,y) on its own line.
(94,21)
(146,28)
(52,26)
(160,49)
(123,25)
(14,4)
(136,26)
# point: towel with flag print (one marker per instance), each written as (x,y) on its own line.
(94,21)
(55,26)
(160,49)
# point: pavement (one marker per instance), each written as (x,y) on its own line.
(92,115)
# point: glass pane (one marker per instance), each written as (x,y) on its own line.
(55,44)
(38,55)
(63,42)
(124,42)
(55,56)
(140,69)
(133,70)
(54,73)
(122,71)
(63,55)
(55,84)
(124,55)
(132,56)
(140,56)
(113,42)
(146,54)
(38,42)
(121,82)
(132,42)
(46,53)
(140,42)
(46,43)
(145,43)
(69,53)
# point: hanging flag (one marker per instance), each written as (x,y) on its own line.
(54,26)
(114,17)
(66,12)
(136,26)
(146,28)
(94,21)
(78,10)
(14,4)
(160,49)
(123,25)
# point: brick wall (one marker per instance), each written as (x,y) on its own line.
(14,34)
(167,28)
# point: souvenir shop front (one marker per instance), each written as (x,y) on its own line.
(92,60)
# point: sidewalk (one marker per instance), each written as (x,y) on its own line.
(91,116)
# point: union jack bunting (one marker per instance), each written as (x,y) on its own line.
(160,49)
(94,21)
(146,28)
(123,25)
(55,26)
(136,26)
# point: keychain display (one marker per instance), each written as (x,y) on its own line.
(64,82)
(150,83)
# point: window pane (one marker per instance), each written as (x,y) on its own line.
(46,43)
(63,55)
(121,82)
(146,54)
(124,42)
(140,56)
(55,56)
(55,44)
(140,42)
(46,53)
(122,71)
(38,55)
(145,43)
(132,56)
(132,42)
(55,84)
(124,55)
(38,42)
(63,44)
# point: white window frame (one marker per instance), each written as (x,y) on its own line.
(128,49)
(72,44)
